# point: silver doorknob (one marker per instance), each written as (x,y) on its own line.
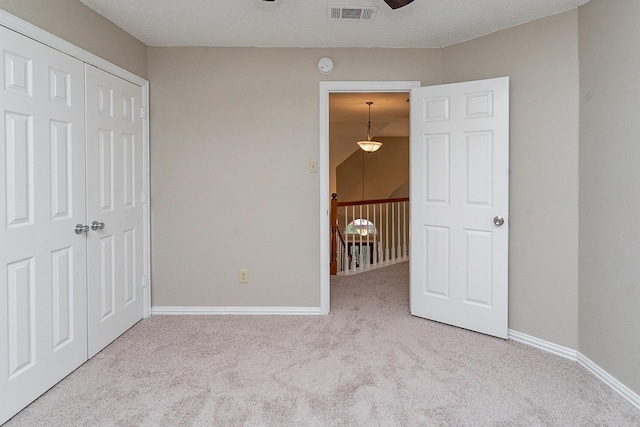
(79,229)
(95,225)
(498,221)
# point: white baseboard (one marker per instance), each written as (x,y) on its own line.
(547,346)
(237,310)
(580,358)
(608,379)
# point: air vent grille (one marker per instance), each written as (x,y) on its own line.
(352,13)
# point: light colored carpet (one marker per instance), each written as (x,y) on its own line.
(367,363)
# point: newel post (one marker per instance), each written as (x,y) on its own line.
(334,234)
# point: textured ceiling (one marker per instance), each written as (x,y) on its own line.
(305,23)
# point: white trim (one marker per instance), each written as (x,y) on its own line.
(38,34)
(146,206)
(237,310)
(325,89)
(27,29)
(584,361)
(609,380)
(547,346)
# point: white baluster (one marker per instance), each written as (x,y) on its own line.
(386,229)
(367,256)
(346,240)
(399,250)
(361,266)
(393,232)
(339,255)
(406,236)
(382,229)
(353,241)
(374,247)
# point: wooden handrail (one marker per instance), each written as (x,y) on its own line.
(373,202)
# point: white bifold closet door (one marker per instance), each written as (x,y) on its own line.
(71,215)
(114,198)
(43,293)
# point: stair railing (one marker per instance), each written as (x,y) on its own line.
(376,233)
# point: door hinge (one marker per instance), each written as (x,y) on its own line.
(143,197)
(143,112)
(145,282)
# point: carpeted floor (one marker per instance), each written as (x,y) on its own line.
(367,363)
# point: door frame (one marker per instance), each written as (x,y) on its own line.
(326,88)
(27,29)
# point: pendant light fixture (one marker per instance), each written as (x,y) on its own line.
(369,146)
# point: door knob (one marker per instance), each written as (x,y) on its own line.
(95,225)
(79,229)
(498,221)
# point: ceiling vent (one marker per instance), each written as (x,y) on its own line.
(354,13)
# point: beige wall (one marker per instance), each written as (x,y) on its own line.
(78,24)
(232,131)
(610,187)
(385,171)
(541,59)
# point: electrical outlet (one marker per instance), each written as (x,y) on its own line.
(244,275)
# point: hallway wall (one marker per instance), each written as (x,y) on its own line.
(384,171)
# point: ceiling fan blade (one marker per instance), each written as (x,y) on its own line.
(396,4)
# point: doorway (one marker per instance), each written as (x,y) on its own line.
(354,174)
(327,88)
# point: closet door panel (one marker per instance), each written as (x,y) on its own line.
(114,191)
(43,323)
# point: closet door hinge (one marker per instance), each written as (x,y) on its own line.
(145,282)
(143,197)
(143,112)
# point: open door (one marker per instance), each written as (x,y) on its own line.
(459,204)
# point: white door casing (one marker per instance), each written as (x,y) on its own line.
(115,199)
(327,88)
(43,325)
(459,183)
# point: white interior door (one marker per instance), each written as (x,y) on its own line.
(43,325)
(114,192)
(459,204)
